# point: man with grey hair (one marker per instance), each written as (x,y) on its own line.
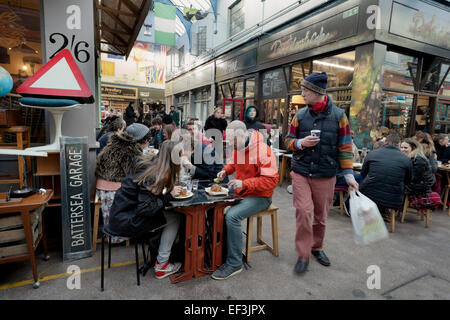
(256,178)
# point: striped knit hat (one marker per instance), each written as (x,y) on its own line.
(316,82)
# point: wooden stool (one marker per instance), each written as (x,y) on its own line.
(341,190)
(422,215)
(284,168)
(444,202)
(392,213)
(272,211)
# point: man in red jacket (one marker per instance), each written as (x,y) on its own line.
(256,178)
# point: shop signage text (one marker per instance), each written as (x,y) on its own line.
(76,217)
(119,92)
(241,62)
(426,24)
(332,29)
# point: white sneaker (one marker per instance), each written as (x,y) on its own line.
(166,269)
(289,188)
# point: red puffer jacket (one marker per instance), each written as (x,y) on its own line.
(256,166)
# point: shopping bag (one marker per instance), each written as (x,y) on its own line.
(368,225)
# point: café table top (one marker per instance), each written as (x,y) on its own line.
(444,168)
(201,198)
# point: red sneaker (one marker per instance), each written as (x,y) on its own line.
(166,269)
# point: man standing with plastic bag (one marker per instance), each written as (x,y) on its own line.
(320,137)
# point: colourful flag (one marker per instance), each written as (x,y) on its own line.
(165,16)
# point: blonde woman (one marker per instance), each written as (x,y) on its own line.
(423,179)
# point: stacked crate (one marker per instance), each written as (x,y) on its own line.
(12,233)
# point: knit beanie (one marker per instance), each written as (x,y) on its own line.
(137,131)
(316,82)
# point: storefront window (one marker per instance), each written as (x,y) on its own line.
(219,96)
(250,88)
(399,71)
(433,77)
(342,99)
(299,72)
(444,90)
(226,90)
(239,89)
(339,69)
(396,112)
(21,57)
(442,124)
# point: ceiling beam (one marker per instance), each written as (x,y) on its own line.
(131,6)
(117,19)
(115,11)
(105,27)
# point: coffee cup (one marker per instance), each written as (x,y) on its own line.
(315,133)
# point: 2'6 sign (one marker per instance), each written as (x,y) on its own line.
(81,55)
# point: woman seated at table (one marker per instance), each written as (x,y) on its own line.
(423,179)
(139,204)
(429,150)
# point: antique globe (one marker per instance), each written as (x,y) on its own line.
(6,82)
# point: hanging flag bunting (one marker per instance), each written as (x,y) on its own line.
(165,16)
(192,14)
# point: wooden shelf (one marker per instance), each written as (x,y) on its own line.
(47,173)
(56,204)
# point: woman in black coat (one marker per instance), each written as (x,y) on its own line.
(423,178)
(139,204)
(216,121)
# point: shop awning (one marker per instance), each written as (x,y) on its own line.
(119,23)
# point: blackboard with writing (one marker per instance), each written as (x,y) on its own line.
(273,84)
(76,216)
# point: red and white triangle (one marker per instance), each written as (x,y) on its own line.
(58,77)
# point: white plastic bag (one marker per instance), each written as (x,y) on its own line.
(367,222)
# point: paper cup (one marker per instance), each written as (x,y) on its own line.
(315,133)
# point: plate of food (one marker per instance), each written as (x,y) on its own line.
(357,165)
(184,194)
(216,190)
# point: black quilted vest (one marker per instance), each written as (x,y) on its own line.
(320,161)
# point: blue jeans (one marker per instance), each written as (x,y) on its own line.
(233,217)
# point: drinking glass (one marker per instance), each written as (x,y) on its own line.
(194,185)
(188,184)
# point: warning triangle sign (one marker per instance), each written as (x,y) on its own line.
(60,77)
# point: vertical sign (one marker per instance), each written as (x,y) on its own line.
(69,24)
(76,216)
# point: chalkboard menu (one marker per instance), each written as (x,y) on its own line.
(273,84)
(76,215)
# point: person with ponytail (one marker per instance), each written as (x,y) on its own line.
(138,206)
